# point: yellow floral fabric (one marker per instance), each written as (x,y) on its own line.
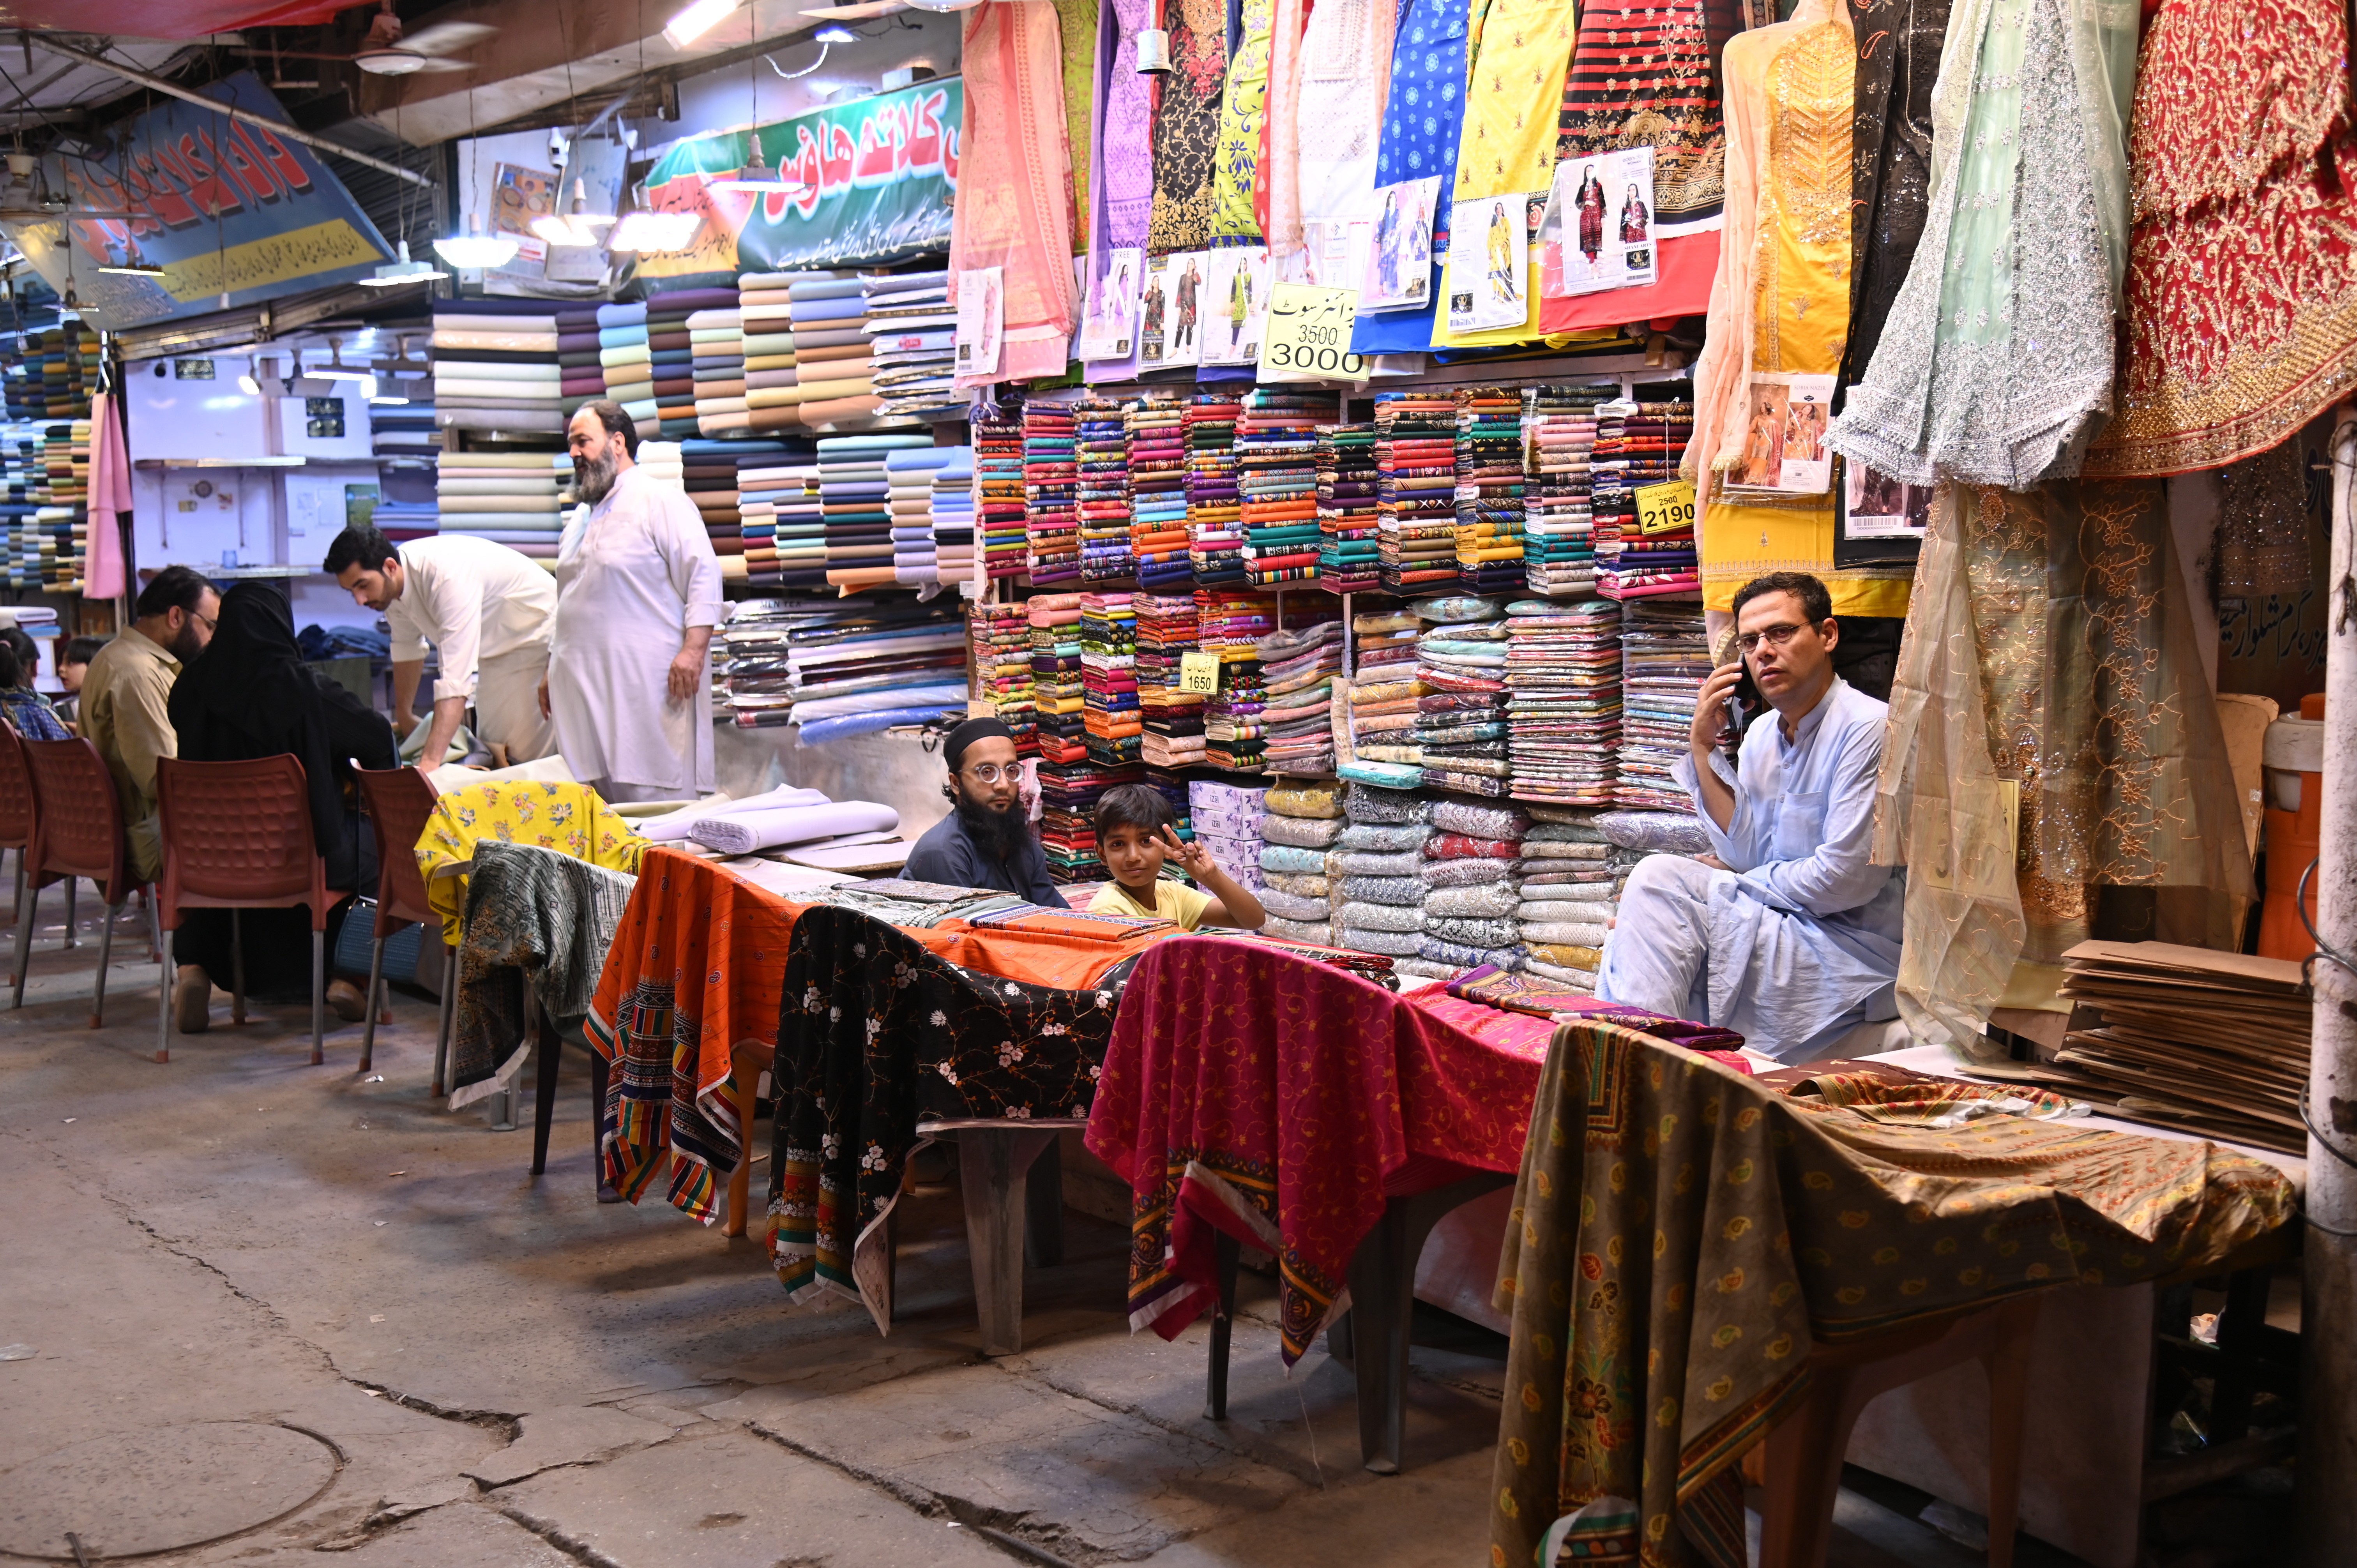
(567,817)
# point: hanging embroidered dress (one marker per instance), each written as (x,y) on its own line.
(1422,120)
(1346,59)
(1243,115)
(1899,44)
(1014,208)
(1187,126)
(1779,304)
(1077,35)
(2242,293)
(1996,362)
(1120,199)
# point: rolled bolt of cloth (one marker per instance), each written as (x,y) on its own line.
(674,826)
(767,829)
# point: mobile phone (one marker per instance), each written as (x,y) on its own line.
(1740,700)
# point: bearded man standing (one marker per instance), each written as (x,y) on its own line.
(986,840)
(638,592)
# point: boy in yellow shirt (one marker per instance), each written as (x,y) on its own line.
(1137,832)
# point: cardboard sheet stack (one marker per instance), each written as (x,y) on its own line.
(1488,490)
(509,497)
(1348,508)
(1301,824)
(1297,670)
(1638,444)
(1569,886)
(999,644)
(495,366)
(1051,519)
(1558,531)
(1226,817)
(1216,536)
(1158,496)
(919,478)
(765,320)
(1277,478)
(832,369)
(1101,477)
(1231,625)
(1109,709)
(628,363)
(715,337)
(1000,487)
(581,374)
(1562,700)
(912,346)
(1058,696)
(1415,462)
(777,507)
(1461,724)
(1172,721)
(855,493)
(1665,658)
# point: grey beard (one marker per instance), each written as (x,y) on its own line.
(595,478)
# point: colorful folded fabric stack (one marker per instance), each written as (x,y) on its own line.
(672,342)
(581,374)
(1488,490)
(627,362)
(1169,629)
(1563,701)
(998,638)
(1472,866)
(50,375)
(1215,539)
(1297,670)
(509,497)
(1300,817)
(1636,445)
(1665,659)
(834,374)
(1570,885)
(1109,678)
(1558,533)
(715,337)
(45,515)
(1101,476)
(1348,510)
(1057,697)
(1050,494)
(1276,479)
(765,323)
(1000,492)
(403,434)
(779,512)
(710,469)
(1069,793)
(1158,495)
(871,664)
(1233,623)
(1373,869)
(957,544)
(1460,725)
(1416,464)
(495,366)
(855,491)
(932,489)
(912,346)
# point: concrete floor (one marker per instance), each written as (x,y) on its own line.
(516,1376)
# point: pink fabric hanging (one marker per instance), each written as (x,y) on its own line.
(1014,200)
(109,494)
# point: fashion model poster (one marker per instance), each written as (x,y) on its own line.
(1399,259)
(1489,263)
(1600,223)
(1109,324)
(1236,304)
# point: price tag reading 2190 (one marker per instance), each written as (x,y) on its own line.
(1665,508)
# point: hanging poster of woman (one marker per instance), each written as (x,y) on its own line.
(1399,261)
(1593,240)
(1488,258)
(1109,324)
(1235,300)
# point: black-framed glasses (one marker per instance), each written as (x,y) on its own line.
(1774,636)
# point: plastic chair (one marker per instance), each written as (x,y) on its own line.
(237,835)
(15,805)
(400,802)
(78,832)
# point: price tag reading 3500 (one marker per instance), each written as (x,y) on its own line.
(1308,338)
(1665,508)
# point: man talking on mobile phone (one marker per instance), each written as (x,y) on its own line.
(1788,933)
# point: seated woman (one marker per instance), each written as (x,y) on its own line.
(249,696)
(21,705)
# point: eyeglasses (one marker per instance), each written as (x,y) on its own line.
(1775,637)
(210,624)
(991,772)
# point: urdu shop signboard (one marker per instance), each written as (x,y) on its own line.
(221,204)
(860,183)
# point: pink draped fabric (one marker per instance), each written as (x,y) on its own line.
(109,496)
(1013,205)
(1276,199)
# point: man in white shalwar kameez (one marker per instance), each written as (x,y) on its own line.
(638,592)
(1788,934)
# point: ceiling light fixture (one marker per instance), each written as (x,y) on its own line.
(474,250)
(335,370)
(133,270)
(657,232)
(392,274)
(835,34)
(757,177)
(578,227)
(697,20)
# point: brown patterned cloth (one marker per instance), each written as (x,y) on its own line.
(1682,1237)
(534,916)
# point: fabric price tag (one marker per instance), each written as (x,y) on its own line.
(1665,508)
(1308,338)
(1198,673)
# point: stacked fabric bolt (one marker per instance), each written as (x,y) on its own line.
(1050,494)
(581,375)
(1348,507)
(1665,658)
(715,337)
(1227,819)
(923,481)
(1568,892)
(870,664)
(403,433)
(1461,724)
(1069,793)
(24,492)
(784,518)
(509,497)
(912,345)
(832,369)
(1383,714)
(1297,670)
(1157,498)
(1109,709)
(1415,466)
(1169,629)
(749,661)
(998,638)
(1001,486)
(708,474)
(495,366)
(1101,465)
(627,361)
(765,319)
(45,541)
(1058,696)
(1383,644)
(1215,539)
(1558,533)
(1488,490)
(854,491)
(1277,478)
(52,373)
(1473,862)
(662,462)
(1300,819)
(1638,446)
(1231,625)
(671,347)
(956,544)
(1375,871)
(1563,705)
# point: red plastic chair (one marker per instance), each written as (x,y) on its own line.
(78,833)
(15,805)
(237,835)
(400,802)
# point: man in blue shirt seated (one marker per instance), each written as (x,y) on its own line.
(1788,933)
(986,840)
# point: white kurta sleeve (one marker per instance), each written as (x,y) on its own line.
(688,554)
(454,603)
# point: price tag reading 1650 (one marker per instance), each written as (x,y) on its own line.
(1665,508)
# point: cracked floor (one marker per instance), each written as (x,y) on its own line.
(517,1376)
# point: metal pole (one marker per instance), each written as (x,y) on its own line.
(2328,1412)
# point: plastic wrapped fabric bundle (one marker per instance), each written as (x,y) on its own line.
(1365,804)
(1357,916)
(1301,884)
(1383,839)
(1662,832)
(1291,907)
(1286,857)
(1384,775)
(1456,846)
(1556,853)
(1391,944)
(1422,968)
(1472,932)
(1305,833)
(1459,610)
(1305,800)
(1564,957)
(1319,933)
(1582,978)
(1563,832)
(1402,890)
(1467,873)
(1436,949)
(1554,912)
(1564,933)
(1498,900)
(1369,864)
(1477,821)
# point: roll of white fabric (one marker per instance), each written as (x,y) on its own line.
(674,826)
(754,831)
